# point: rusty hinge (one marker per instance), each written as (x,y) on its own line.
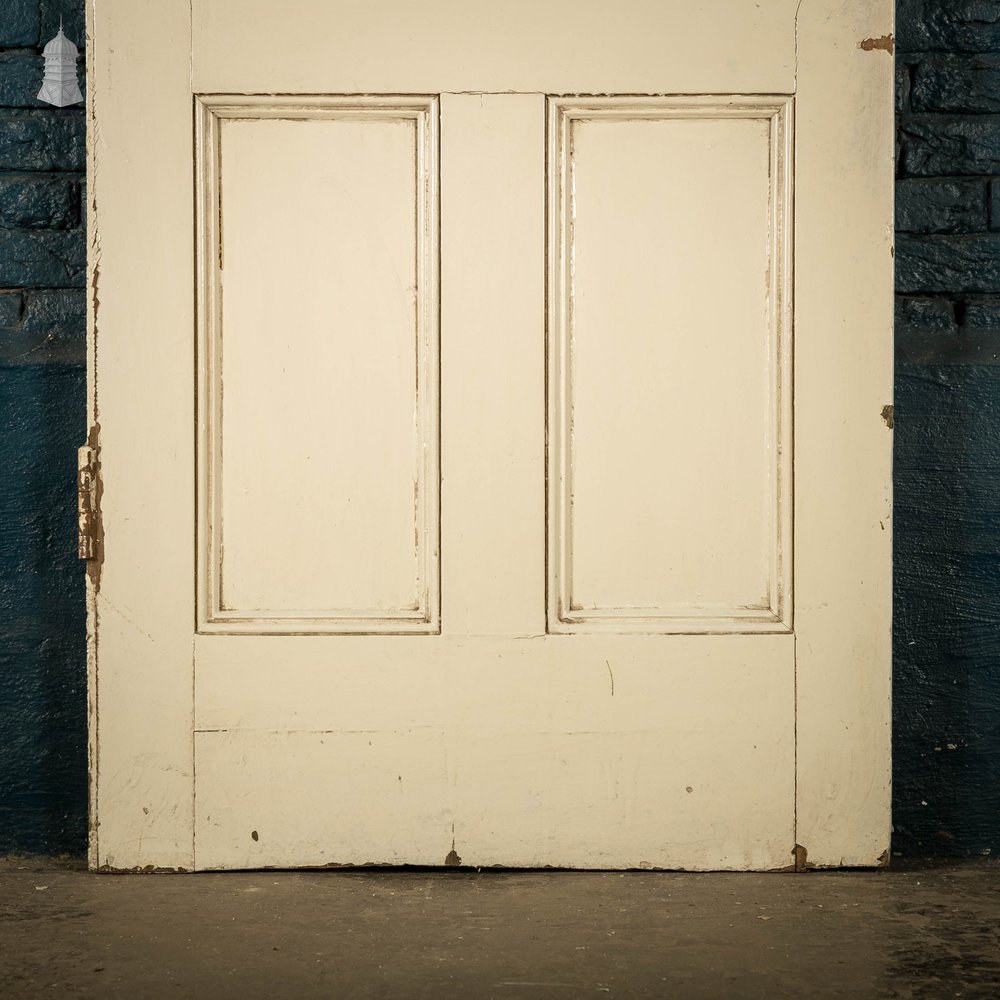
(88,499)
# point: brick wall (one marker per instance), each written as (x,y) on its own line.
(42,159)
(43,757)
(948,194)
(946,659)
(947,511)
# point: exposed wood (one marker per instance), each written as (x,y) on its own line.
(885,43)
(90,543)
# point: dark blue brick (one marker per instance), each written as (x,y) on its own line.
(946,644)
(11,305)
(995,205)
(932,206)
(902,87)
(926,329)
(47,325)
(948,25)
(20,78)
(981,314)
(913,348)
(19,25)
(42,259)
(925,314)
(39,202)
(964,84)
(948,263)
(958,424)
(941,146)
(962,514)
(43,140)
(43,733)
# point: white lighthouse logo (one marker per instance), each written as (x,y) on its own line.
(59,84)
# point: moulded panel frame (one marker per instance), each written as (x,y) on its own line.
(211,110)
(564,617)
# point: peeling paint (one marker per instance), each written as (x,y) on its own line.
(90,491)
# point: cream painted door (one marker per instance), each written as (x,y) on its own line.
(487,406)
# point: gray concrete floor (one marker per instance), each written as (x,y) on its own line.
(918,933)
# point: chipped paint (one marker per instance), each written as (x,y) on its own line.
(801,856)
(885,43)
(90,543)
(889,415)
(140,870)
(94,253)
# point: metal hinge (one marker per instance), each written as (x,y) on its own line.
(88,483)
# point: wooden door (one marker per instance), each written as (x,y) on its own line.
(488,423)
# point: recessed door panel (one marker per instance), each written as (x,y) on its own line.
(670,364)
(318,405)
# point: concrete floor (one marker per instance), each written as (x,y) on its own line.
(932,933)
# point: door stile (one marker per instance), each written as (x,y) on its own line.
(843,457)
(141,395)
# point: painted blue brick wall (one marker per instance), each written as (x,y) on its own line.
(946,661)
(43,749)
(947,520)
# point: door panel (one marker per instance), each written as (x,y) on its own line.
(571,751)
(670,457)
(455,524)
(318,405)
